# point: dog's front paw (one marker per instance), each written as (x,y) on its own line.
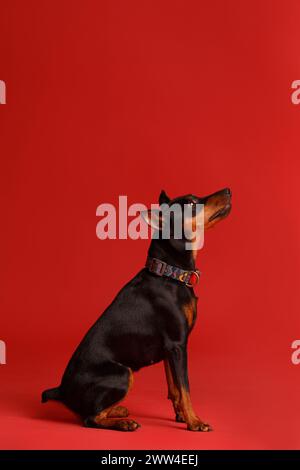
(127,425)
(199,426)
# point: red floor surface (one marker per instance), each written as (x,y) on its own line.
(245,410)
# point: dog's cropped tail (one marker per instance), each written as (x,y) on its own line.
(51,394)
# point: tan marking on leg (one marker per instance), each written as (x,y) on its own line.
(173,393)
(130,381)
(194,423)
(118,412)
(190,310)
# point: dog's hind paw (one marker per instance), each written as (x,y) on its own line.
(127,425)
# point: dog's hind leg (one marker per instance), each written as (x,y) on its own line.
(110,390)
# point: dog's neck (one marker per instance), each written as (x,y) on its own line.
(163,250)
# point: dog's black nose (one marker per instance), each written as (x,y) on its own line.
(227,191)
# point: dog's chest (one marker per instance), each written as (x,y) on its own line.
(189,310)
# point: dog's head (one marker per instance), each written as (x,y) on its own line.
(216,206)
(193,213)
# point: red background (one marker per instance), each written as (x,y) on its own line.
(111,98)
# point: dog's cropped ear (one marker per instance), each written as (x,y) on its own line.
(153,217)
(163,198)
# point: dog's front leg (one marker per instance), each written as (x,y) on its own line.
(177,362)
(173,393)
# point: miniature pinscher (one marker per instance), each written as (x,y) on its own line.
(149,321)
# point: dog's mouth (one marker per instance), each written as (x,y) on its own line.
(223,212)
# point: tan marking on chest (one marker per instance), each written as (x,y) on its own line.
(190,311)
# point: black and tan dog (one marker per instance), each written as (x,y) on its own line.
(149,321)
